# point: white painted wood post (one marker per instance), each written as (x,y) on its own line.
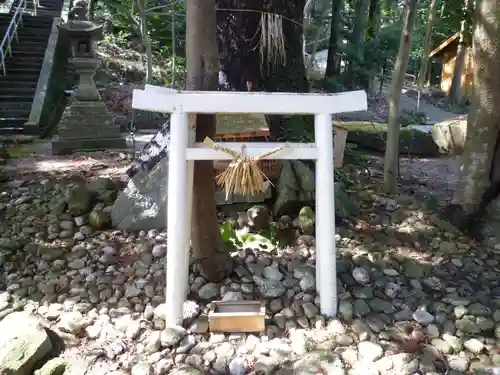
(189,198)
(178,214)
(325,215)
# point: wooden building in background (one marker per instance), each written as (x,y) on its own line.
(447,52)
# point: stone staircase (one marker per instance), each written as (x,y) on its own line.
(45,8)
(18,86)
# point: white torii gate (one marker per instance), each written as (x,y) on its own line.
(183,151)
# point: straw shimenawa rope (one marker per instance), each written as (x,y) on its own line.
(243,175)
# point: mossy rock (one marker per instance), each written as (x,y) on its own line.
(79,200)
(99,220)
(374,135)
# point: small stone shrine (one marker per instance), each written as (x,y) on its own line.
(85,124)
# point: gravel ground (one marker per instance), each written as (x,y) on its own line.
(415,297)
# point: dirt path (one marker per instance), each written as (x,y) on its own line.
(434,113)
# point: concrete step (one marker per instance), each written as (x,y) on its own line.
(16,63)
(38,33)
(28,79)
(17,91)
(21,71)
(13,126)
(15,98)
(26,105)
(23,59)
(25,51)
(28,21)
(14,113)
(30,45)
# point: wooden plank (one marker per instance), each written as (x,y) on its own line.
(443,45)
(237,316)
(291,151)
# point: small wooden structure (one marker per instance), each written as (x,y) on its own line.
(237,316)
(447,52)
(183,106)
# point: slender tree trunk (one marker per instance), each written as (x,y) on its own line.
(484,119)
(146,41)
(443,8)
(391,161)
(455,93)
(422,73)
(358,38)
(307,20)
(332,66)
(92,9)
(202,74)
(318,27)
(374,19)
(358,34)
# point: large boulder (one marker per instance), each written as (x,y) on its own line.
(374,136)
(142,205)
(450,135)
(23,343)
(67,366)
(296,188)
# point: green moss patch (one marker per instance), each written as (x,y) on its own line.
(374,135)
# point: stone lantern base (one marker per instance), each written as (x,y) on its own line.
(86,125)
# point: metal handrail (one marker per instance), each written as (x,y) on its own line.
(10,34)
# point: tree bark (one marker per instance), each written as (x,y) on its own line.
(455,93)
(358,34)
(290,77)
(307,19)
(374,19)
(422,73)
(238,34)
(202,74)
(484,118)
(332,65)
(391,160)
(318,27)
(146,41)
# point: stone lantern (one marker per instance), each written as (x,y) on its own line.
(85,124)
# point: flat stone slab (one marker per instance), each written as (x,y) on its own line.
(68,146)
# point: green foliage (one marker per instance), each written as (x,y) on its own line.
(235,239)
(379,54)
(229,235)
(409,117)
(118,16)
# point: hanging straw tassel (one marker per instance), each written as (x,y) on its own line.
(243,175)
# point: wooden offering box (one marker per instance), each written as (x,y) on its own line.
(237,316)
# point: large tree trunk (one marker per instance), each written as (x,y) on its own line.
(291,76)
(422,73)
(202,74)
(484,118)
(239,48)
(455,93)
(332,64)
(374,19)
(391,161)
(359,32)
